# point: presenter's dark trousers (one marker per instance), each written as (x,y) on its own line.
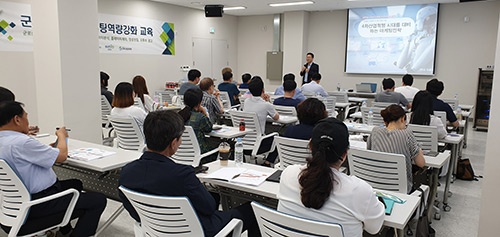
(88,210)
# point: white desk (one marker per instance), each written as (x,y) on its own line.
(359,127)
(227,132)
(398,219)
(455,140)
(171,107)
(466,107)
(357,100)
(361,94)
(112,162)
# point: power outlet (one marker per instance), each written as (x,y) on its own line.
(185,68)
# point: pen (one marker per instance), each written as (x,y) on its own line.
(67,129)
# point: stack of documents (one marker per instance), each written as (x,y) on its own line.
(88,154)
(240,175)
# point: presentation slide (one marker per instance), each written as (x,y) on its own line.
(392,40)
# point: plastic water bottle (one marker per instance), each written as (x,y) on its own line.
(459,113)
(370,117)
(238,152)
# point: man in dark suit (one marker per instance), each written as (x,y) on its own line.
(155,173)
(309,69)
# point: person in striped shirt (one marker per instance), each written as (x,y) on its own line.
(395,138)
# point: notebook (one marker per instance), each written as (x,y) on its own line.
(240,175)
(88,154)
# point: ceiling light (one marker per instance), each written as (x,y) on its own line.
(285,4)
(234,8)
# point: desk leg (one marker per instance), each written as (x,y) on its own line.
(432,193)
(400,233)
(110,220)
(453,161)
(466,126)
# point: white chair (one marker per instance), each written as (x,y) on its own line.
(253,139)
(138,103)
(377,118)
(189,152)
(170,216)
(382,105)
(441,115)
(330,105)
(275,223)
(381,170)
(292,151)
(426,136)
(285,110)
(128,134)
(105,111)
(452,102)
(224,96)
(242,102)
(341,97)
(16,203)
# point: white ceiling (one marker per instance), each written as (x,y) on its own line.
(261,7)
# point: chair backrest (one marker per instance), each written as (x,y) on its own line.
(292,151)
(275,223)
(452,102)
(441,115)
(285,110)
(385,171)
(340,95)
(128,133)
(224,96)
(309,94)
(427,136)
(138,102)
(166,96)
(382,105)
(251,122)
(164,216)
(189,151)
(377,118)
(329,103)
(105,110)
(13,194)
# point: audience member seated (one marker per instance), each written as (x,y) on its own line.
(407,89)
(298,93)
(259,104)
(245,78)
(319,191)
(211,99)
(160,175)
(141,91)
(7,95)
(196,116)
(309,112)
(123,104)
(193,79)
(389,96)
(288,100)
(422,113)
(436,88)
(313,87)
(230,88)
(104,87)
(395,138)
(33,163)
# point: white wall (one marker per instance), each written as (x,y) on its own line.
(461,48)
(189,23)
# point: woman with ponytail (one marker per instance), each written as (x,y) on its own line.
(196,116)
(319,191)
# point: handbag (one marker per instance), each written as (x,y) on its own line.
(424,229)
(465,171)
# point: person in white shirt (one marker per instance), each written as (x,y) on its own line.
(319,191)
(407,89)
(123,104)
(141,91)
(313,87)
(422,113)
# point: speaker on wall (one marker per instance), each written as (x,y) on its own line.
(214,10)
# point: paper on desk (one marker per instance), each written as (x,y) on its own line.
(240,175)
(88,154)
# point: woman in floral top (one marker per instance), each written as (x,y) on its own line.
(196,116)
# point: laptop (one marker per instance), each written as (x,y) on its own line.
(364,88)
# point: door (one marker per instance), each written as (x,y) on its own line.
(210,56)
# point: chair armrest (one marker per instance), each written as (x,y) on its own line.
(235,106)
(71,206)
(235,225)
(209,153)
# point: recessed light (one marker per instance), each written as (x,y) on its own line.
(285,4)
(234,8)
